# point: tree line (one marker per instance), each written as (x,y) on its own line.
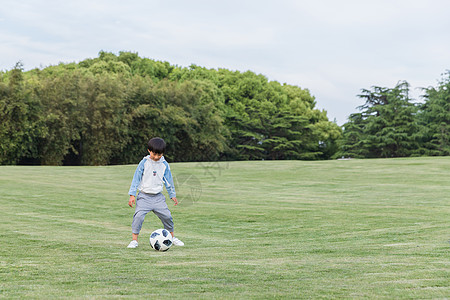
(103,110)
(390,124)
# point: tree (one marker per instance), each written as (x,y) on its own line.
(434,119)
(106,130)
(20,117)
(185,114)
(64,118)
(268,120)
(386,127)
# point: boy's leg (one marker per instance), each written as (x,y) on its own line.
(142,208)
(163,213)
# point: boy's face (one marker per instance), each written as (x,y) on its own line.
(155,156)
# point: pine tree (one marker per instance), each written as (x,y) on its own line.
(385,127)
(434,118)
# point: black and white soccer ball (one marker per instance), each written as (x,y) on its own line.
(161,240)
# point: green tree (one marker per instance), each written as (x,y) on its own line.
(64,118)
(353,138)
(106,130)
(185,114)
(272,121)
(434,118)
(386,127)
(20,114)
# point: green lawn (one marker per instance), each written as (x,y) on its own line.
(263,229)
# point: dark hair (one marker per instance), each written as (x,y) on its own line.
(157,145)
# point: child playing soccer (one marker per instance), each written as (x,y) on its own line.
(152,172)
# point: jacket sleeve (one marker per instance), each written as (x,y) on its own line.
(136,179)
(168,182)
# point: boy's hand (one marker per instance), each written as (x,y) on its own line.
(132,200)
(175,200)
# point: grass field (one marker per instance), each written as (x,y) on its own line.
(253,230)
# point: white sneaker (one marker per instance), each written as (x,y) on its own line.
(133,244)
(177,242)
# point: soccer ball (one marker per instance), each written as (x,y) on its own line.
(161,240)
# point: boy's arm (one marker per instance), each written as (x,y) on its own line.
(136,179)
(168,182)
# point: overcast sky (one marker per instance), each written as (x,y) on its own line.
(333,48)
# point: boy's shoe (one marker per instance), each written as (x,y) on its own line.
(177,242)
(133,244)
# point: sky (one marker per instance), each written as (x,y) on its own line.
(332,48)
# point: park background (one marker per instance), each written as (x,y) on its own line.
(256,99)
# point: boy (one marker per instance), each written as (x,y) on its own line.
(151,173)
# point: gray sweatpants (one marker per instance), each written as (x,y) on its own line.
(146,203)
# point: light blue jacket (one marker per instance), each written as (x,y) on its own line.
(150,176)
